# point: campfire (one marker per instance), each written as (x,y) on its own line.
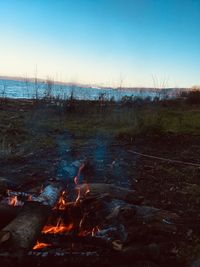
(101,219)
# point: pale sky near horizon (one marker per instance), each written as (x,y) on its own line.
(105,42)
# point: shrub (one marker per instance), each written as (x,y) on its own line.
(193,97)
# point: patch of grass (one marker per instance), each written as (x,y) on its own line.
(23,122)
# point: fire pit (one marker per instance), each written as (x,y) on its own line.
(102,224)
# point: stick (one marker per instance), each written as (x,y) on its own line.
(165,159)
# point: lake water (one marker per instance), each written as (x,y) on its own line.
(29,90)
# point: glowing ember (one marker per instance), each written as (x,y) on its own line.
(60,227)
(41,245)
(13,201)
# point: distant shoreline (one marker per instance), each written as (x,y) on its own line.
(40,80)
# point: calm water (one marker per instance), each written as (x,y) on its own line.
(23,89)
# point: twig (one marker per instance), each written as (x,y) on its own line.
(165,159)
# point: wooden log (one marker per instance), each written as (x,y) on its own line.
(21,234)
(25,227)
(143,219)
(8,213)
(60,258)
(136,221)
(113,191)
(66,240)
(50,194)
(72,212)
(138,252)
(54,257)
(144,214)
(20,194)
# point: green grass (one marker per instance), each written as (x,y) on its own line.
(34,126)
(135,121)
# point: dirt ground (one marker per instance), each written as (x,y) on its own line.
(164,184)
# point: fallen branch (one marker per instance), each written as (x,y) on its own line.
(165,159)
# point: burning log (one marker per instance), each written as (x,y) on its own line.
(19,194)
(21,234)
(98,218)
(98,189)
(66,240)
(134,221)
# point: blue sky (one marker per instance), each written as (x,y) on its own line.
(105,42)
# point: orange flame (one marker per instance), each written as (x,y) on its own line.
(29,198)
(76,180)
(84,233)
(89,232)
(60,227)
(39,245)
(78,194)
(13,201)
(81,191)
(41,189)
(95,230)
(61,204)
(87,189)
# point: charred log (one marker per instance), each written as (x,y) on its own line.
(66,240)
(98,189)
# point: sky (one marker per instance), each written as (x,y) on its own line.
(102,42)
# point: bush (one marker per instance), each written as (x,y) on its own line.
(193,97)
